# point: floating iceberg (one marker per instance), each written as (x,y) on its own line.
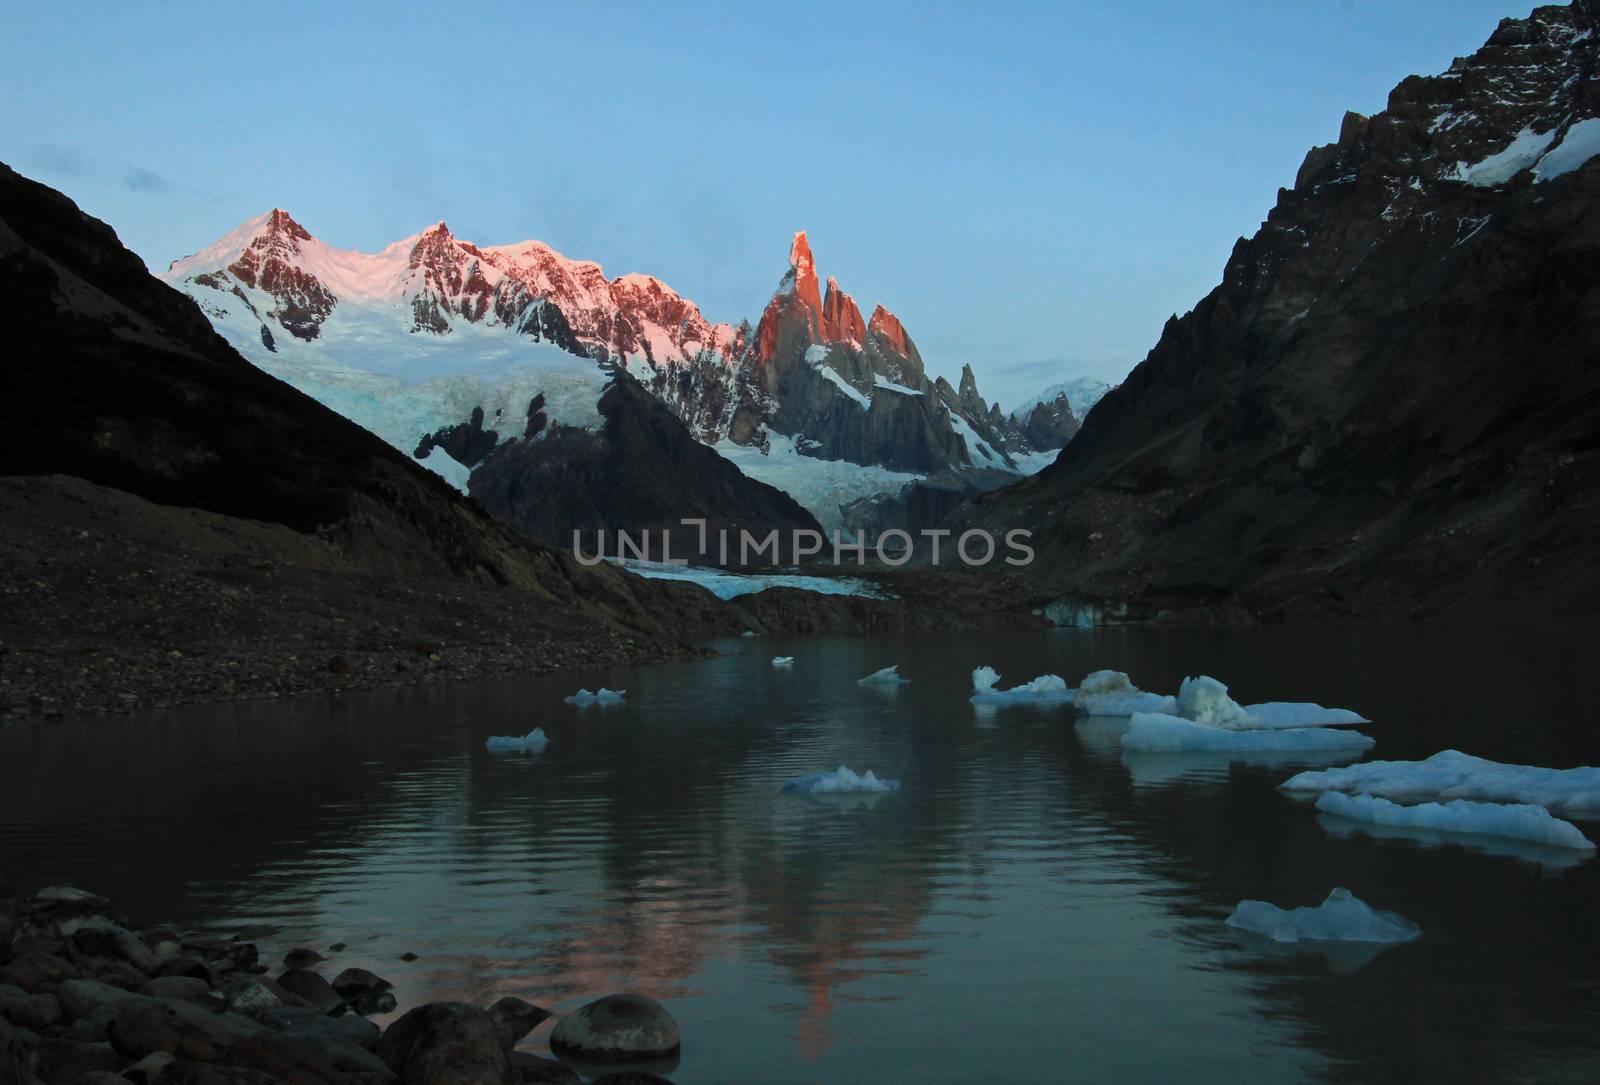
(1154,731)
(1515,821)
(1451,774)
(1274,714)
(532,742)
(605,696)
(1341,918)
(748,633)
(889,676)
(1205,700)
(783,661)
(838,782)
(1109,693)
(1046,689)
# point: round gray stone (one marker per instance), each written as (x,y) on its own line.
(625,1026)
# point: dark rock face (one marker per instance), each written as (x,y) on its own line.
(270,264)
(642,471)
(1390,405)
(466,442)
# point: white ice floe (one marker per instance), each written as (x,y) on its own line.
(532,742)
(1451,774)
(1110,693)
(1343,917)
(889,676)
(604,696)
(1045,689)
(839,781)
(1205,700)
(1515,821)
(1151,731)
(1274,714)
(783,661)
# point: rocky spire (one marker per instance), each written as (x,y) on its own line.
(841,319)
(888,328)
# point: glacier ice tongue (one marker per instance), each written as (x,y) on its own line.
(1514,821)
(532,742)
(604,696)
(1451,774)
(1343,917)
(888,676)
(1045,689)
(840,781)
(1110,693)
(1151,731)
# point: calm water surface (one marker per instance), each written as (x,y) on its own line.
(1033,906)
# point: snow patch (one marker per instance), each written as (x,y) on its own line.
(447,467)
(1581,143)
(1526,148)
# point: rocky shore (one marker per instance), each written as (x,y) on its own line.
(87,999)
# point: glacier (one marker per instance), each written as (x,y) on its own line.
(1110,693)
(840,781)
(1515,821)
(1045,689)
(604,696)
(1151,731)
(726,585)
(1451,774)
(1343,917)
(532,742)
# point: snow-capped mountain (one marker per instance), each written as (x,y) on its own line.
(1082,394)
(411,340)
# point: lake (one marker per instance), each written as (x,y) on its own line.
(1033,906)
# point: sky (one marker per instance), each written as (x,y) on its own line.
(1032,188)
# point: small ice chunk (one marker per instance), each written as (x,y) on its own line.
(889,676)
(604,696)
(1272,714)
(1451,774)
(1045,689)
(1205,700)
(1515,821)
(783,661)
(1343,917)
(1154,731)
(1110,693)
(839,781)
(532,742)
(748,633)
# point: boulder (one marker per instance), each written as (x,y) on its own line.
(187,968)
(35,969)
(62,1062)
(302,958)
(514,1018)
(355,982)
(185,989)
(58,911)
(295,1061)
(104,940)
(447,1043)
(630,1077)
(17,1055)
(79,998)
(317,992)
(537,1070)
(187,1072)
(30,1011)
(374,1002)
(147,1069)
(101,1077)
(304,1023)
(625,1026)
(141,1025)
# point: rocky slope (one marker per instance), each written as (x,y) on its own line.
(1390,405)
(416,339)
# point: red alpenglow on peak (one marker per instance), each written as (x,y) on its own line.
(802,277)
(841,319)
(888,328)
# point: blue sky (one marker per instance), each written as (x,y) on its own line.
(1033,189)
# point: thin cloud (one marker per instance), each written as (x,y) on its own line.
(138,179)
(59,159)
